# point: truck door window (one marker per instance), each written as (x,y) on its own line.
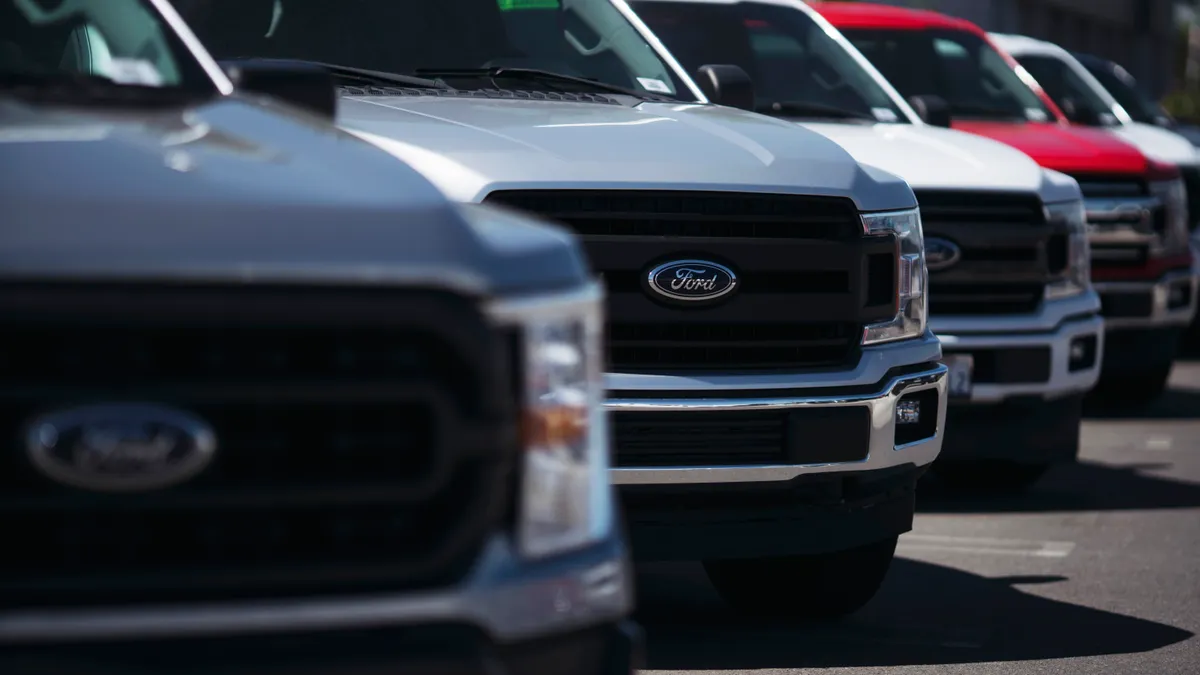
(584,38)
(123,42)
(1061,83)
(789,57)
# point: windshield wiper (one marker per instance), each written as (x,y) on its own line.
(535,75)
(805,109)
(347,74)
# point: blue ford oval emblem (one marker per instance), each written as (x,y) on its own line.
(120,447)
(941,254)
(692,280)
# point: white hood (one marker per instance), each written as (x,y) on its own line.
(929,157)
(1158,143)
(471,147)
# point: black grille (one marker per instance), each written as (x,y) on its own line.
(808,278)
(363,441)
(1112,189)
(1126,305)
(1026,365)
(1114,186)
(1009,252)
(1191,180)
(744,437)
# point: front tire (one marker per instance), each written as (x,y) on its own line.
(810,587)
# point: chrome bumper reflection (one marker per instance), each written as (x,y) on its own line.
(882,454)
(1162,314)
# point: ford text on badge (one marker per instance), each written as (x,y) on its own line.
(692,280)
(120,447)
(941,254)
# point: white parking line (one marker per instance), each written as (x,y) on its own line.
(985,546)
(1159,443)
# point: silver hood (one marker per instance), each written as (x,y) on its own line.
(228,191)
(471,147)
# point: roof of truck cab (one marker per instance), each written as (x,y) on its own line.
(1023,45)
(870,15)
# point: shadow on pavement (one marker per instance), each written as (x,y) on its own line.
(1180,401)
(1174,404)
(924,614)
(1084,486)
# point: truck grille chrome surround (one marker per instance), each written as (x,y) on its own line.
(1008,253)
(808,278)
(1127,222)
(358,437)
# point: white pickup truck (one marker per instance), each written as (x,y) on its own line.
(1010,295)
(775,392)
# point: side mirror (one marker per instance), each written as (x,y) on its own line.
(932,109)
(726,85)
(1079,114)
(305,86)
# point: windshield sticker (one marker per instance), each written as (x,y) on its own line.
(510,5)
(657,86)
(134,71)
(1035,115)
(884,114)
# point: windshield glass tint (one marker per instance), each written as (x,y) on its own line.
(582,38)
(124,41)
(958,66)
(1065,87)
(1139,106)
(788,56)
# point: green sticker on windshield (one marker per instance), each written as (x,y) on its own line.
(510,5)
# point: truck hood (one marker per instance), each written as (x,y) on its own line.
(1158,143)
(1068,149)
(943,159)
(471,147)
(230,191)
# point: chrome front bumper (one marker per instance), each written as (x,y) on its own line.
(1055,327)
(510,599)
(1162,314)
(883,452)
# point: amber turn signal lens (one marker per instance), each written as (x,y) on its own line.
(552,426)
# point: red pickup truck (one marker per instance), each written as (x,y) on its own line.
(1136,207)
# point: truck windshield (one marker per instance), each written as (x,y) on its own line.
(94,48)
(798,69)
(1140,106)
(1066,88)
(589,39)
(958,66)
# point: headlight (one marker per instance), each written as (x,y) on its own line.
(1175,231)
(912,279)
(1078,274)
(565,500)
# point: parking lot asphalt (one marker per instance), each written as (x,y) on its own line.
(1095,570)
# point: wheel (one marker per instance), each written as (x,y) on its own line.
(989,477)
(814,587)
(1139,389)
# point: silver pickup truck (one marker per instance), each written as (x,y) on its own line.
(775,392)
(270,402)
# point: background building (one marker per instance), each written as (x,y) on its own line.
(1141,35)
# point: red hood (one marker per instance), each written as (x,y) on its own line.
(1071,150)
